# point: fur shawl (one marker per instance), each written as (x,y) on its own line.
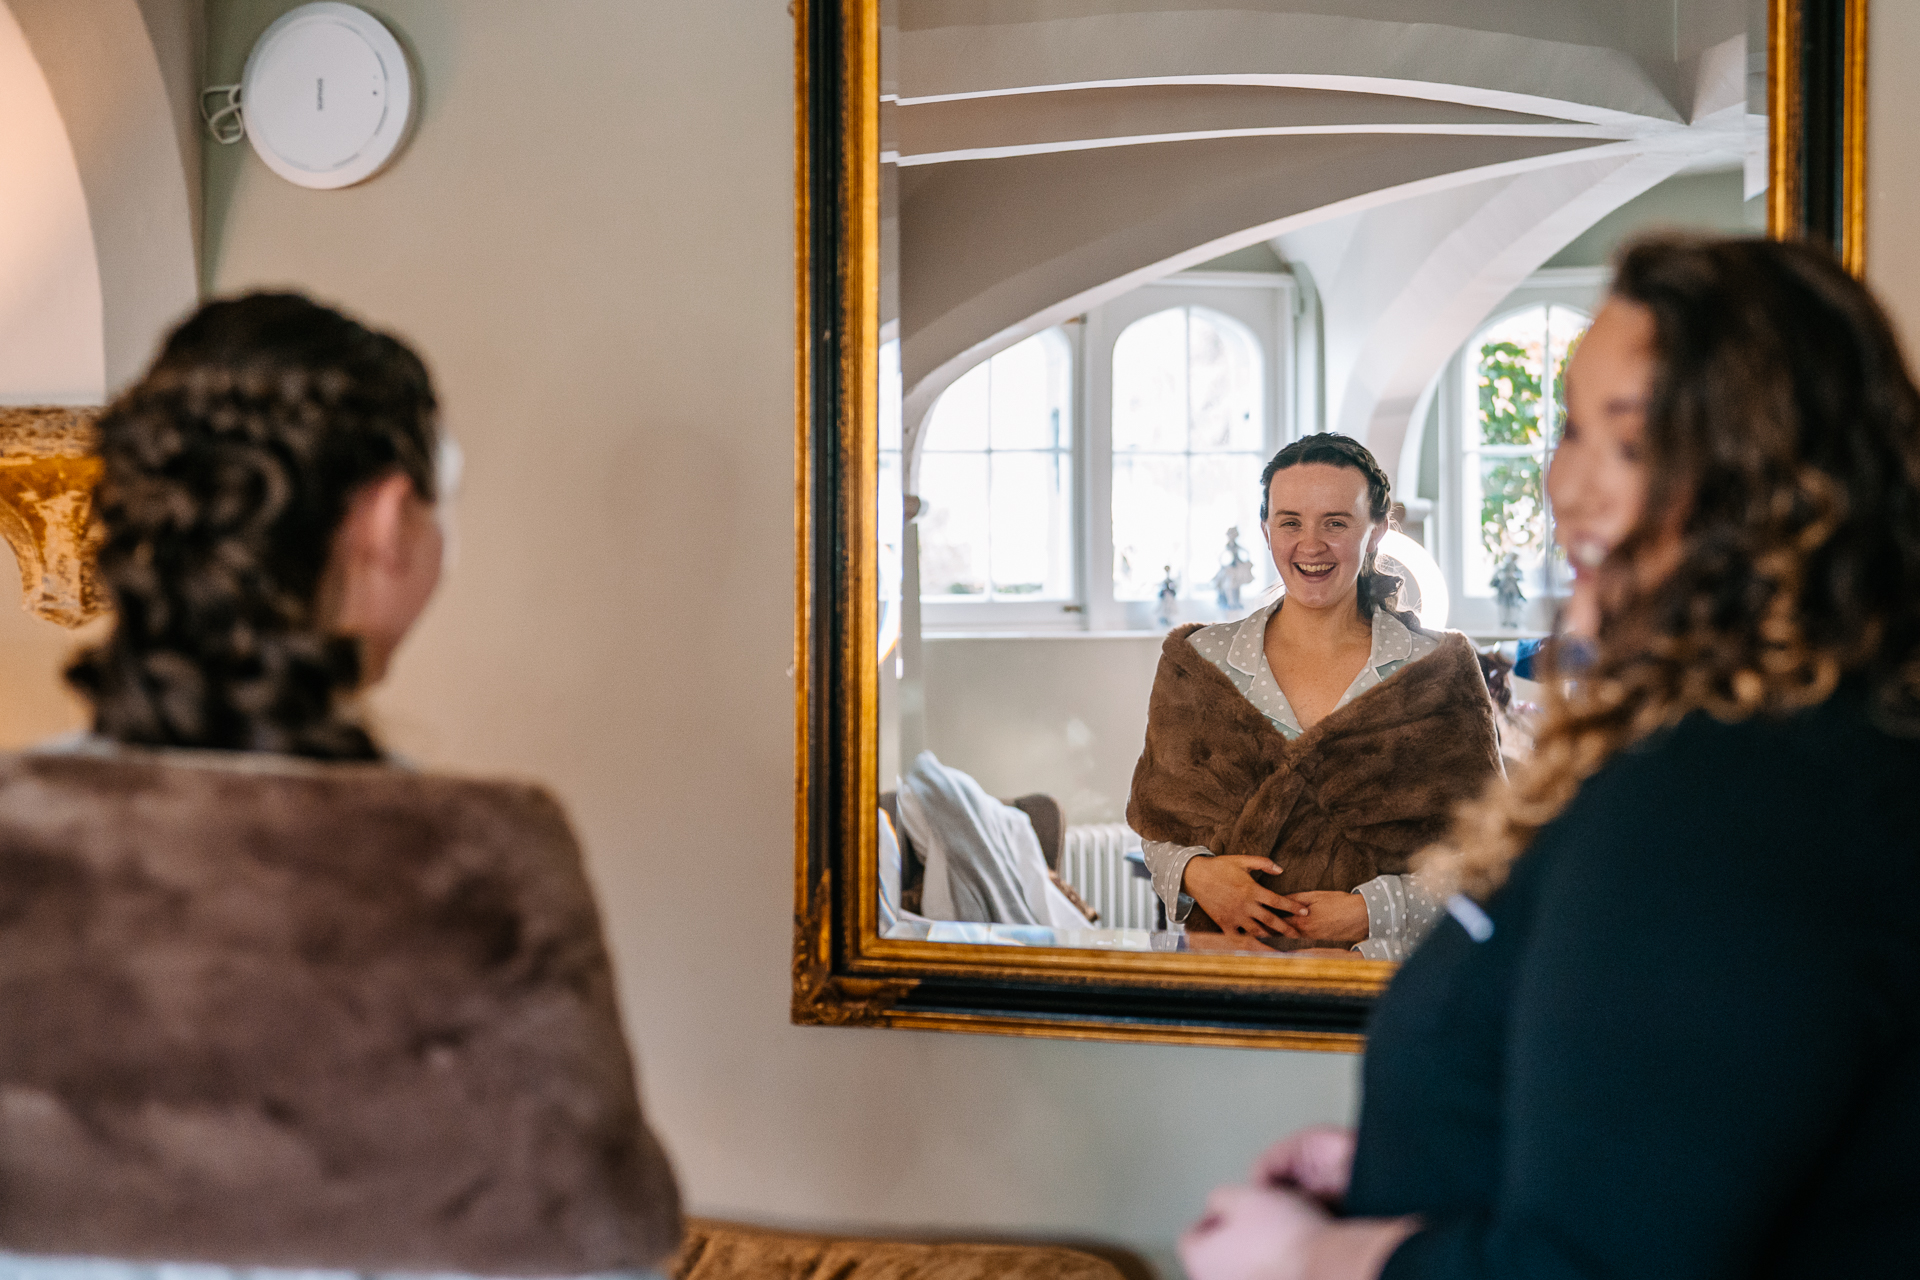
(262,1011)
(1354,797)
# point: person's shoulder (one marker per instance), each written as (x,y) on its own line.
(1212,641)
(1775,793)
(1838,737)
(1422,641)
(1212,633)
(1434,647)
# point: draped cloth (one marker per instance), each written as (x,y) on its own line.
(1352,798)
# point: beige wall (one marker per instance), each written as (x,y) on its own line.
(1893,179)
(590,240)
(126,104)
(1065,715)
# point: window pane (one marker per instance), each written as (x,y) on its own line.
(953,527)
(1224,378)
(891,531)
(960,416)
(1226,495)
(1149,523)
(1512,516)
(1509,366)
(1029,395)
(1565,328)
(890,395)
(1150,384)
(1032,527)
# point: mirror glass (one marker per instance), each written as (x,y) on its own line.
(1133,249)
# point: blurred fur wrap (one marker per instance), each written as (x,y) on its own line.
(263,1011)
(1352,798)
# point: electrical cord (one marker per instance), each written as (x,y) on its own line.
(227,125)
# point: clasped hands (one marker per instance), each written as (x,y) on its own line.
(1281,1225)
(1224,887)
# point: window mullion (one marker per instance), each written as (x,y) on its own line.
(993,593)
(1103,611)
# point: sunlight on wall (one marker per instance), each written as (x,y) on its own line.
(51,332)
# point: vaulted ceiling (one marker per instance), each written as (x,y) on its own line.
(1419,157)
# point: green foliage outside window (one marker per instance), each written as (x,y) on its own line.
(1517,426)
(1511,502)
(1512,497)
(1509,395)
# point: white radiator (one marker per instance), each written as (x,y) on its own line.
(1093,860)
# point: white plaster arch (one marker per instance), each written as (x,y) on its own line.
(993,250)
(1568,64)
(100,157)
(1394,318)
(1435,266)
(1000,126)
(1054,152)
(1166,209)
(51,336)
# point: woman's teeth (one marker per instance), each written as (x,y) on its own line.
(1313,570)
(1586,553)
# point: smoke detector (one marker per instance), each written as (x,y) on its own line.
(326,98)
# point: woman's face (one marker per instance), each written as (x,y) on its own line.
(1320,532)
(1598,479)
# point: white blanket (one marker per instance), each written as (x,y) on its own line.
(983,860)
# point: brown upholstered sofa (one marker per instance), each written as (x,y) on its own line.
(727,1251)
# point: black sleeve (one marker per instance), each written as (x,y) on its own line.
(1680,1053)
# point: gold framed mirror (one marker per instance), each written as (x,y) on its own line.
(973,180)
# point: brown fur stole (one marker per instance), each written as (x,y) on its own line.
(1354,797)
(256,1010)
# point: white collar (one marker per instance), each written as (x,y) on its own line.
(1392,642)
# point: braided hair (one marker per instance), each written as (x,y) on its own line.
(1330,448)
(228,469)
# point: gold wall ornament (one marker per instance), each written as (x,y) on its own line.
(48,469)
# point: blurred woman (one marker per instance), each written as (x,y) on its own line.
(1632,1050)
(1307,750)
(296,955)
(271,532)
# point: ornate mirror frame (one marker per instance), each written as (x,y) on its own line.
(844,973)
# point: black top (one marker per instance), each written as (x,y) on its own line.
(1690,1046)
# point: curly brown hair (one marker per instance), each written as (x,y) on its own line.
(1783,426)
(228,469)
(1376,589)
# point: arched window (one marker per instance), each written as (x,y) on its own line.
(1189,440)
(1515,387)
(996,478)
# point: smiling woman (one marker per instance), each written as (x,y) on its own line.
(1296,759)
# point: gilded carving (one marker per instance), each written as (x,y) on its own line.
(47,473)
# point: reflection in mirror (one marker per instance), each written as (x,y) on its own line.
(1164,667)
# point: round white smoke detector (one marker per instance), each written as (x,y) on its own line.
(327,95)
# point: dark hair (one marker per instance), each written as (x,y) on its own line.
(1330,448)
(1783,441)
(228,469)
